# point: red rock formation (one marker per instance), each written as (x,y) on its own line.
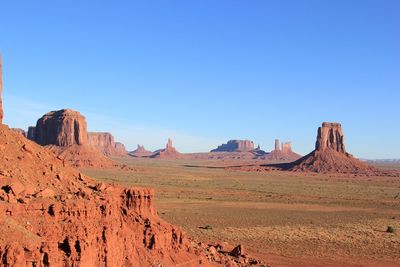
(20,131)
(61,128)
(330,155)
(236,146)
(277,145)
(140,152)
(106,144)
(65,134)
(168,153)
(330,136)
(287,147)
(52,215)
(31,133)
(282,152)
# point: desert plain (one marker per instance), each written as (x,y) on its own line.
(285,218)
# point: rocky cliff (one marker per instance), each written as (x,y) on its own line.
(235,146)
(31,135)
(64,132)
(106,144)
(53,215)
(61,128)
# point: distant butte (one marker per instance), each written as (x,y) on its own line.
(64,132)
(140,152)
(330,155)
(106,144)
(282,152)
(235,146)
(169,152)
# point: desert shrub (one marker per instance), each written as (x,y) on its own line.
(390,229)
(206,227)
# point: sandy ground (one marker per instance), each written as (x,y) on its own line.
(288,219)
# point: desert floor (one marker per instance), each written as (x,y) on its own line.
(287,219)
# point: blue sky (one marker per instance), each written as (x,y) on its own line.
(205,71)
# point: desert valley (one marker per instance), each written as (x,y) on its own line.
(71,197)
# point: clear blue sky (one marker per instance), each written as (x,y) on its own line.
(205,71)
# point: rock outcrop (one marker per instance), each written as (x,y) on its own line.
(20,131)
(53,215)
(106,144)
(64,132)
(168,153)
(140,152)
(330,155)
(235,146)
(61,128)
(31,135)
(282,152)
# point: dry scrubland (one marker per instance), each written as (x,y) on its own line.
(288,219)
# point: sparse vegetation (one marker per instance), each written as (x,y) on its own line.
(390,230)
(273,212)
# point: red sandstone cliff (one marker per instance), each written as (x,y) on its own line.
(52,215)
(106,144)
(61,128)
(64,132)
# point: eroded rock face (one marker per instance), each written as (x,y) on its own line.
(236,146)
(52,215)
(330,136)
(287,147)
(31,135)
(106,144)
(62,128)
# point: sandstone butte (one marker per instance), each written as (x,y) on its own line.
(64,132)
(106,144)
(236,146)
(330,156)
(52,215)
(140,152)
(282,152)
(169,152)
